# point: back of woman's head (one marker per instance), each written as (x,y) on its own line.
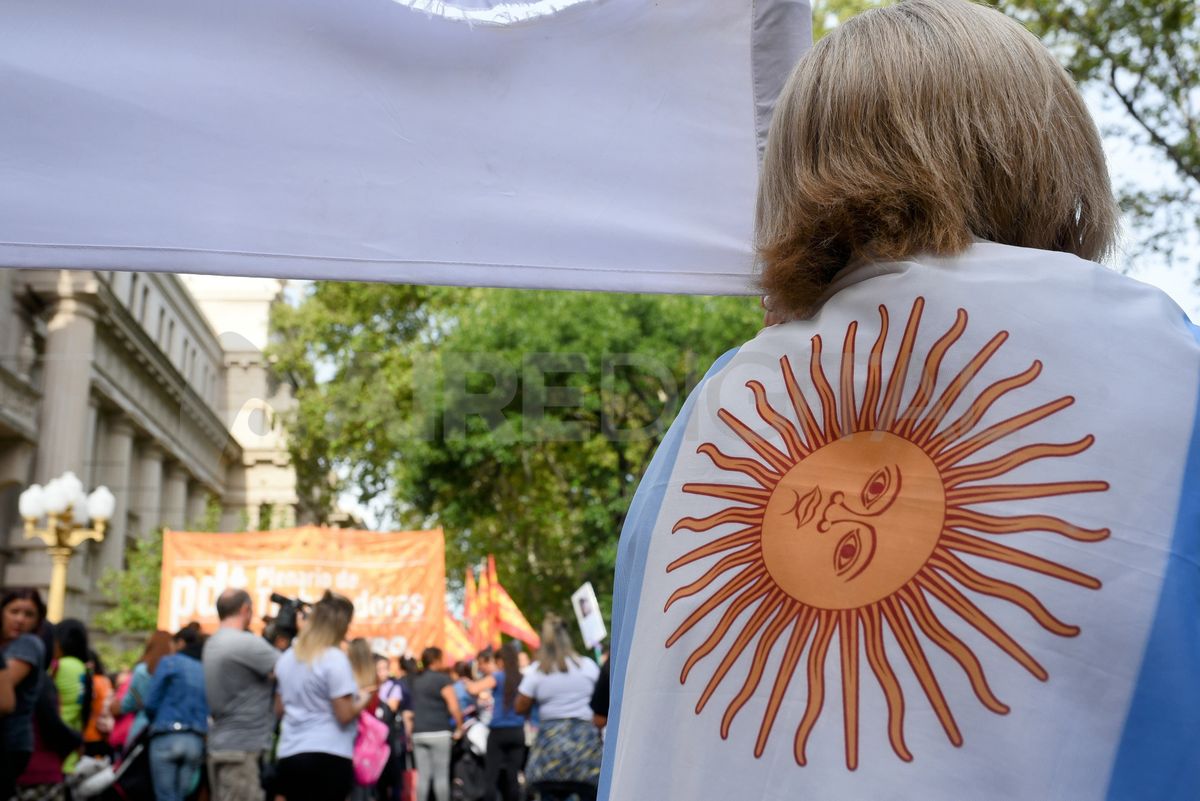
(72,639)
(507,657)
(188,636)
(326,628)
(916,128)
(158,645)
(557,649)
(362,662)
(431,659)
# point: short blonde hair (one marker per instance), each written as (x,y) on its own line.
(915,128)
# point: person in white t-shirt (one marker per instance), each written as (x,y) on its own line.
(320,702)
(567,751)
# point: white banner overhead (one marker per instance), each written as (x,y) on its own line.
(575,144)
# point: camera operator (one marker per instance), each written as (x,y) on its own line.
(238,681)
(282,629)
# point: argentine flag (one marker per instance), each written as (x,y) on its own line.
(941,541)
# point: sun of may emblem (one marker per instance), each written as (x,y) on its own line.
(859,522)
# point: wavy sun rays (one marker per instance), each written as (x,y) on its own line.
(848,532)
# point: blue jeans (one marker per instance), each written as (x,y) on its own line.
(175,762)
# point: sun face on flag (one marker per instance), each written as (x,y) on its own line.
(859,522)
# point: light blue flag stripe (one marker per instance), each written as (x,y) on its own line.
(1159,755)
(631,563)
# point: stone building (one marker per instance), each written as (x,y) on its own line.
(152,384)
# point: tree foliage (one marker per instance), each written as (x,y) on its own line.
(518,421)
(133,593)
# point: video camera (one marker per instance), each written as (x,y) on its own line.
(286,623)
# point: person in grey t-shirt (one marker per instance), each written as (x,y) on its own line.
(237,681)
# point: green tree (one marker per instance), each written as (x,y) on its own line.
(518,421)
(827,14)
(133,593)
(1145,55)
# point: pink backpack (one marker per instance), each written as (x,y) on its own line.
(371,750)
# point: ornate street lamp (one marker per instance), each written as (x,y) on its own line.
(67,510)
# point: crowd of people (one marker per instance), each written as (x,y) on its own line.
(231,716)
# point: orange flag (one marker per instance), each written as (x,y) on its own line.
(492,604)
(481,623)
(456,643)
(471,607)
(513,623)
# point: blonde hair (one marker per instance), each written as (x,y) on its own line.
(915,128)
(556,648)
(362,662)
(326,627)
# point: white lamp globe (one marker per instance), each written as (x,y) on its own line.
(101,504)
(79,507)
(55,497)
(72,484)
(32,503)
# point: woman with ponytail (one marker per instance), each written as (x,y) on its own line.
(320,702)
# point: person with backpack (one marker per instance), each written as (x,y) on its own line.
(320,704)
(395,710)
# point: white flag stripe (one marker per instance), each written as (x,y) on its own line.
(1037,607)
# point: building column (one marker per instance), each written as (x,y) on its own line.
(67,376)
(197,503)
(174,510)
(116,471)
(148,489)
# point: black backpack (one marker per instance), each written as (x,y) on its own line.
(394,720)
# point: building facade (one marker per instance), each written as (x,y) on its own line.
(152,384)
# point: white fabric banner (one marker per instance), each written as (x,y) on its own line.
(582,144)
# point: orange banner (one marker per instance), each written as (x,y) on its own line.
(396,580)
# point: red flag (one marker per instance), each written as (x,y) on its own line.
(513,623)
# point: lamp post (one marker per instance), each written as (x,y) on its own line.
(67,510)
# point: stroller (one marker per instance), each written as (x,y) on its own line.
(467,768)
(128,780)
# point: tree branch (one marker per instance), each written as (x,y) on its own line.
(1172,152)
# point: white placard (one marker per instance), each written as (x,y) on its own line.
(587,612)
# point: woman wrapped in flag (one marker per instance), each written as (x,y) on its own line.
(935,534)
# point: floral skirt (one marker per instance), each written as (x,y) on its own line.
(41,792)
(565,751)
